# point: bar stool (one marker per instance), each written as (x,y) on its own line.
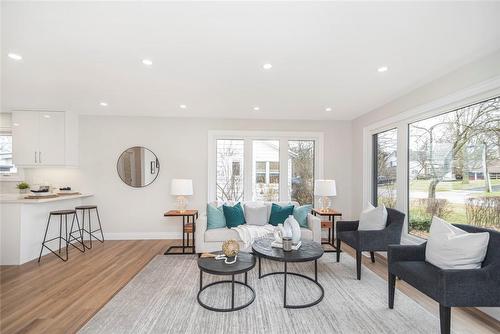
(90,232)
(68,237)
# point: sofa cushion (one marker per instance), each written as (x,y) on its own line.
(279,214)
(215,217)
(373,218)
(300,214)
(283,203)
(255,214)
(306,234)
(234,215)
(449,247)
(221,234)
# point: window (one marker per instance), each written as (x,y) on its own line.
(453,163)
(266,161)
(385,165)
(229,170)
(264,166)
(301,171)
(6,165)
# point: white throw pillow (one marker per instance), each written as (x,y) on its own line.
(373,218)
(449,247)
(255,214)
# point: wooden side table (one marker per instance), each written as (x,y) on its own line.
(329,224)
(188,226)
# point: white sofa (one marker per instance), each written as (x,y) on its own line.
(211,240)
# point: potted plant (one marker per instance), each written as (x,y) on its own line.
(23,187)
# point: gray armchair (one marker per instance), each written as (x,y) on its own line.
(372,241)
(450,288)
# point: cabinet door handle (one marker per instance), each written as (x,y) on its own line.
(35,158)
(39,157)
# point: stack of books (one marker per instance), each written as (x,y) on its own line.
(278,244)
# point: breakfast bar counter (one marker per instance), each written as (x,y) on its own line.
(23,222)
(20,198)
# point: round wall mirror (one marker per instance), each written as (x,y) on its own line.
(138,166)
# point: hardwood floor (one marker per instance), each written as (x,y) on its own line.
(59,297)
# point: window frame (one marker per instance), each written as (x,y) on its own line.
(475,94)
(248,137)
(374,185)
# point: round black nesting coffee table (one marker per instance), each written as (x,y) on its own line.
(309,251)
(210,265)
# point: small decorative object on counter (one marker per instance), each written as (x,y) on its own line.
(287,244)
(23,187)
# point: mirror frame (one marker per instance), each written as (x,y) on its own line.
(156,166)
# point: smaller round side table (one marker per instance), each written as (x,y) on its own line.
(210,265)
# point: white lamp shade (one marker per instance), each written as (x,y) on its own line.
(181,187)
(325,188)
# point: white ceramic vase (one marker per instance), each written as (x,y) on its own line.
(293,225)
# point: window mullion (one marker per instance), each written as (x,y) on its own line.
(284,195)
(248,168)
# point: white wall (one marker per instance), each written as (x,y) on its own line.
(181,146)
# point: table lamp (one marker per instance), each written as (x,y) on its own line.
(324,189)
(181,188)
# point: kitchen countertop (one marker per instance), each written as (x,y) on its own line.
(19,198)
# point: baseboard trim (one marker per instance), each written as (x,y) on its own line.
(143,236)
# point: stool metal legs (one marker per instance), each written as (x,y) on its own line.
(91,232)
(71,237)
(67,238)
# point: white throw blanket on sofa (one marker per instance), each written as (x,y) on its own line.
(248,233)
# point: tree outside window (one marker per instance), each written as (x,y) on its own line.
(454,160)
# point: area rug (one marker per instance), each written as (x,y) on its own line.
(162,299)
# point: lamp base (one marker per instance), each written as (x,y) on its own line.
(181,203)
(324,204)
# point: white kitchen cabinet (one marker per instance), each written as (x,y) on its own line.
(51,146)
(25,137)
(44,138)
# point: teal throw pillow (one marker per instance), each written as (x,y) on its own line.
(234,215)
(215,217)
(300,214)
(280,213)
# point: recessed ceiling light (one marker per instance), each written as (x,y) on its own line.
(328,109)
(256,108)
(15,124)
(147,62)
(267,66)
(183,106)
(15,56)
(46,116)
(382,69)
(103,104)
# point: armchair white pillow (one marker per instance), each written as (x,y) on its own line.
(449,247)
(373,218)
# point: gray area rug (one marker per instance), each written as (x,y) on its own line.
(162,299)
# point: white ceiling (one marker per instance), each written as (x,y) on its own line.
(209,55)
